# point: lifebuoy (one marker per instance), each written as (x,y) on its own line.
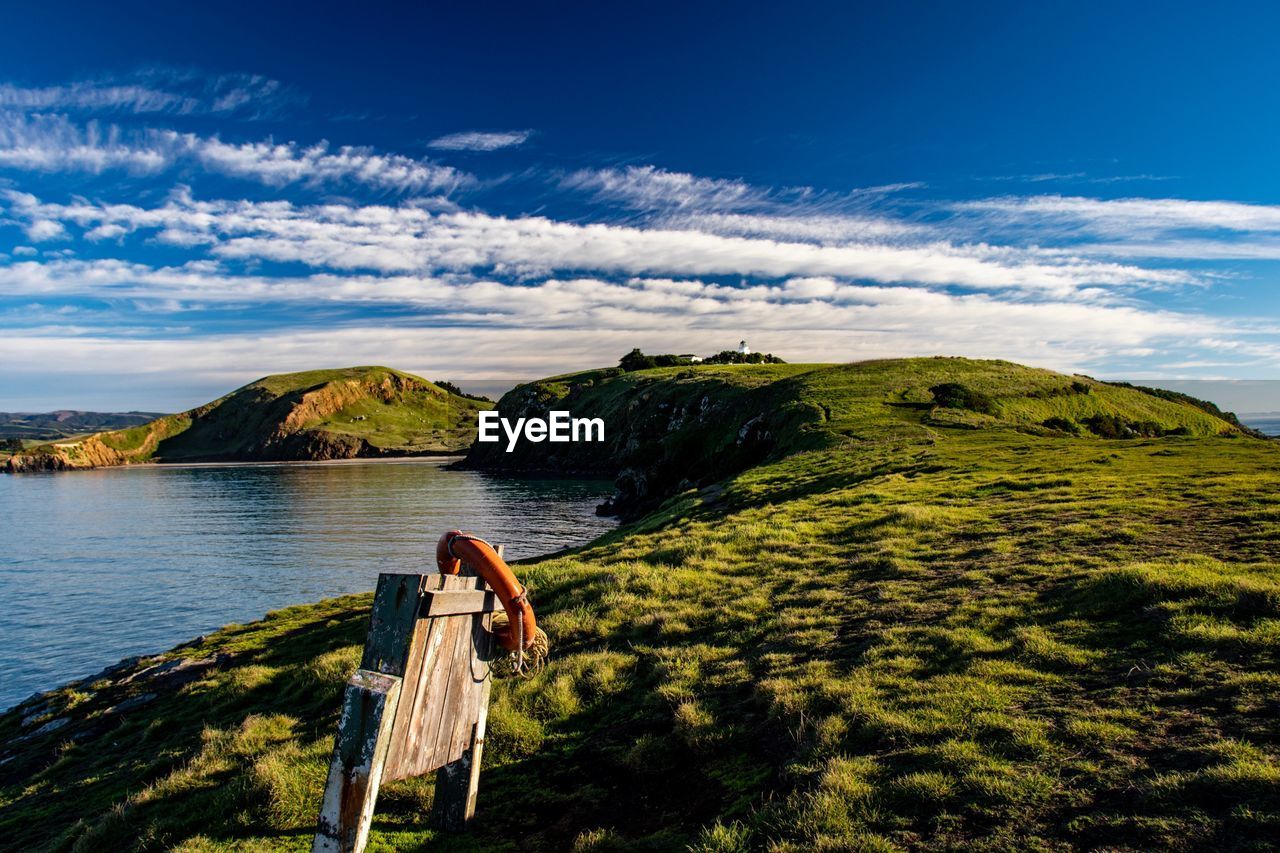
(455,547)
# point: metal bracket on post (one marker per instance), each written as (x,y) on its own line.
(418,703)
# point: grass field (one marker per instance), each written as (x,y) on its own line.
(909,628)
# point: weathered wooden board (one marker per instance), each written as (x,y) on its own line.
(446,673)
(453,602)
(393,622)
(458,783)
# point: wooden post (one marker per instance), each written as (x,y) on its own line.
(418,703)
(368,709)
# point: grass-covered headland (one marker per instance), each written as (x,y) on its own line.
(313,415)
(893,605)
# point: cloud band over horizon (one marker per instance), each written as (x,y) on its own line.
(230,255)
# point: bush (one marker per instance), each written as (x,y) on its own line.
(1062,425)
(953,395)
(1114,426)
(730,356)
(458,392)
(637,360)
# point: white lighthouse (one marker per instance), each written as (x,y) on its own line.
(743,349)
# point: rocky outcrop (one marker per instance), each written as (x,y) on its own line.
(89,452)
(662,436)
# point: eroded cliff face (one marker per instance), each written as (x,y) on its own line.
(266,422)
(333,397)
(62,456)
(663,434)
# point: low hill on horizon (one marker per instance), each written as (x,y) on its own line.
(312,415)
(64,423)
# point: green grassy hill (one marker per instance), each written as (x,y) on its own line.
(317,414)
(676,427)
(906,626)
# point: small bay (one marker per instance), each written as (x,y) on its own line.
(104,564)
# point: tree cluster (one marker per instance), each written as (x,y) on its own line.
(637,360)
(458,392)
(731,356)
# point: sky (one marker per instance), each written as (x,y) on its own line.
(490,192)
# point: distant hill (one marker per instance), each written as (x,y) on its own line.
(318,414)
(65,423)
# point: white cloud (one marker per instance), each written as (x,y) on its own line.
(651,188)
(656,190)
(805,319)
(867,323)
(279,164)
(44,143)
(475,140)
(44,230)
(54,143)
(154,91)
(410,238)
(1125,217)
(107,231)
(824,229)
(94,96)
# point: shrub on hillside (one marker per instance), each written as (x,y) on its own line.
(636,360)
(730,356)
(953,395)
(1114,426)
(1062,425)
(1076,387)
(456,391)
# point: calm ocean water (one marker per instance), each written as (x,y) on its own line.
(1269,424)
(100,565)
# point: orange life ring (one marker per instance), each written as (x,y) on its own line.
(454,547)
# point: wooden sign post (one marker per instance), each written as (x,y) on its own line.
(417,703)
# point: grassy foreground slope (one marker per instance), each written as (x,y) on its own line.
(316,414)
(912,634)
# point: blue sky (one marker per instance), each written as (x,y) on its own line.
(487,192)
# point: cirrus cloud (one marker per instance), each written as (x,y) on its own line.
(54,143)
(483,141)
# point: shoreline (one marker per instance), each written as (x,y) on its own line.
(426,458)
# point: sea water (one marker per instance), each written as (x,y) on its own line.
(100,565)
